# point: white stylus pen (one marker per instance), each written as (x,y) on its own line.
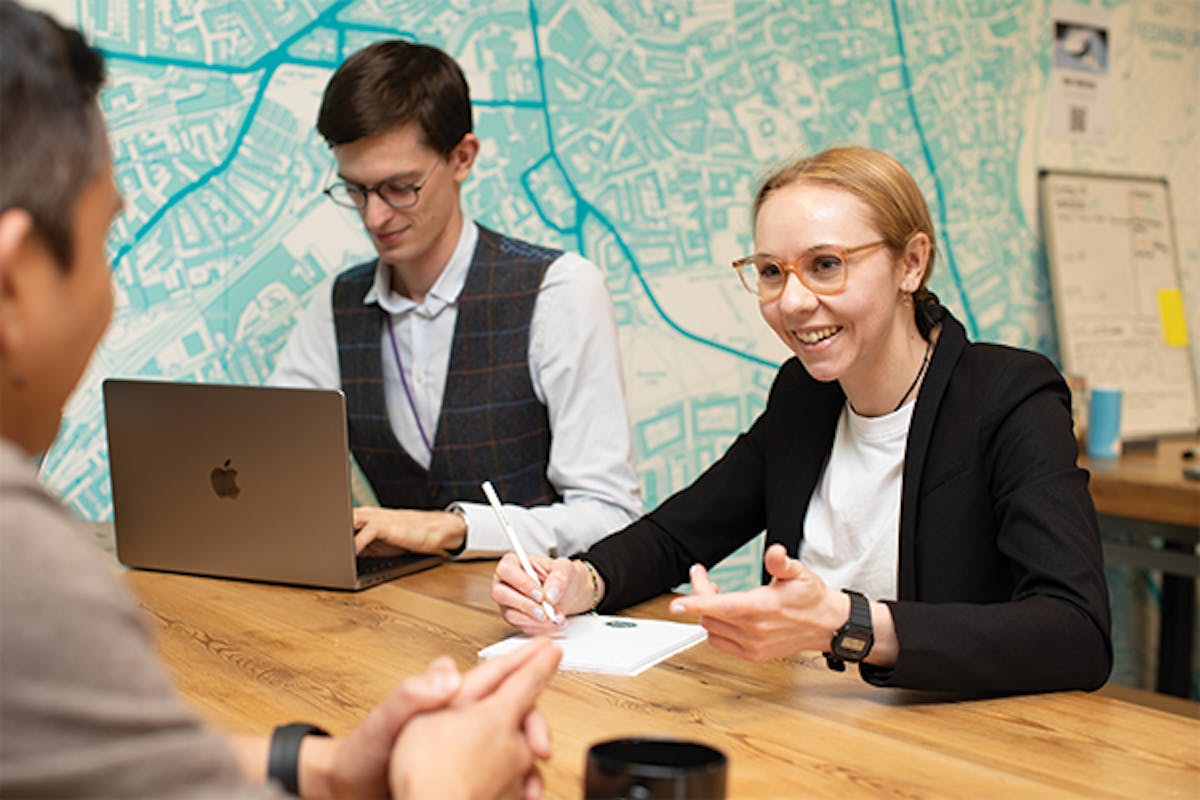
(494,500)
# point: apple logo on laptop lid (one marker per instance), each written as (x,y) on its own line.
(224,480)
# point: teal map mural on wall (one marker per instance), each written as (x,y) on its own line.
(631,131)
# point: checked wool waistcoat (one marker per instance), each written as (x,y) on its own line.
(492,426)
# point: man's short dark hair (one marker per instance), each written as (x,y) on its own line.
(394,83)
(52,140)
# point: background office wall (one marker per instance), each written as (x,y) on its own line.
(631,130)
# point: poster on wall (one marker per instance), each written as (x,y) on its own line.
(1114,269)
(1078,87)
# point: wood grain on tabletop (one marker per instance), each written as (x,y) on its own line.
(250,656)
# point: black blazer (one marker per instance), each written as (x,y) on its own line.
(1001,578)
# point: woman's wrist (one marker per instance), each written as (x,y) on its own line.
(592,584)
(836,614)
(886,650)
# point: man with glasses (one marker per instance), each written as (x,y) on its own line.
(465,355)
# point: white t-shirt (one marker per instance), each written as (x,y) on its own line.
(852,528)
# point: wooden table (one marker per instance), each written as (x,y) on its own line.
(250,656)
(1148,485)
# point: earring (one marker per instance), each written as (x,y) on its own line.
(908,298)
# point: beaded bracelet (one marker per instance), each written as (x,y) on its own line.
(595,578)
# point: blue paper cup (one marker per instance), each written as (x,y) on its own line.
(1104,422)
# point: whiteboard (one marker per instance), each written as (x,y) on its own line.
(1110,246)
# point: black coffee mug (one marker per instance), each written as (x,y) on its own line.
(654,769)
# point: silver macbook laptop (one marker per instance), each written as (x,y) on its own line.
(239,482)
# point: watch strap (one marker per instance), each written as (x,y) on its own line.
(860,611)
(833,662)
(859,622)
(283,755)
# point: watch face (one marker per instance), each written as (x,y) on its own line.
(853,640)
(852,644)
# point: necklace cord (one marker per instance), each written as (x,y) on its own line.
(916,380)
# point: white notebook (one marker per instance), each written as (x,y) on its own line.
(613,645)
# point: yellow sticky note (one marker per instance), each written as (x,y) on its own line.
(1174,324)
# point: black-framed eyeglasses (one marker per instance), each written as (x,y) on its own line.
(822,270)
(397,194)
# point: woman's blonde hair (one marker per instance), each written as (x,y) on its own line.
(897,206)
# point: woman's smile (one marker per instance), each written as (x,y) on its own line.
(813,336)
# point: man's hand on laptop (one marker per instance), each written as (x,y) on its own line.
(392,531)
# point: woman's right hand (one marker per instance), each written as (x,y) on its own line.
(565,583)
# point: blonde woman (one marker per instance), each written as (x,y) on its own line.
(924,513)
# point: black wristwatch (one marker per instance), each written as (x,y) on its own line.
(853,641)
(283,754)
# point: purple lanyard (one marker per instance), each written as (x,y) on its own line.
(412,405)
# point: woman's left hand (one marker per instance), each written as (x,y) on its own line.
(796,611)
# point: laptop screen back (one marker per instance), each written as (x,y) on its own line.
(235,481)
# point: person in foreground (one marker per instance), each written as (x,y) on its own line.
(465,355)
(85,708)
(924,513)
